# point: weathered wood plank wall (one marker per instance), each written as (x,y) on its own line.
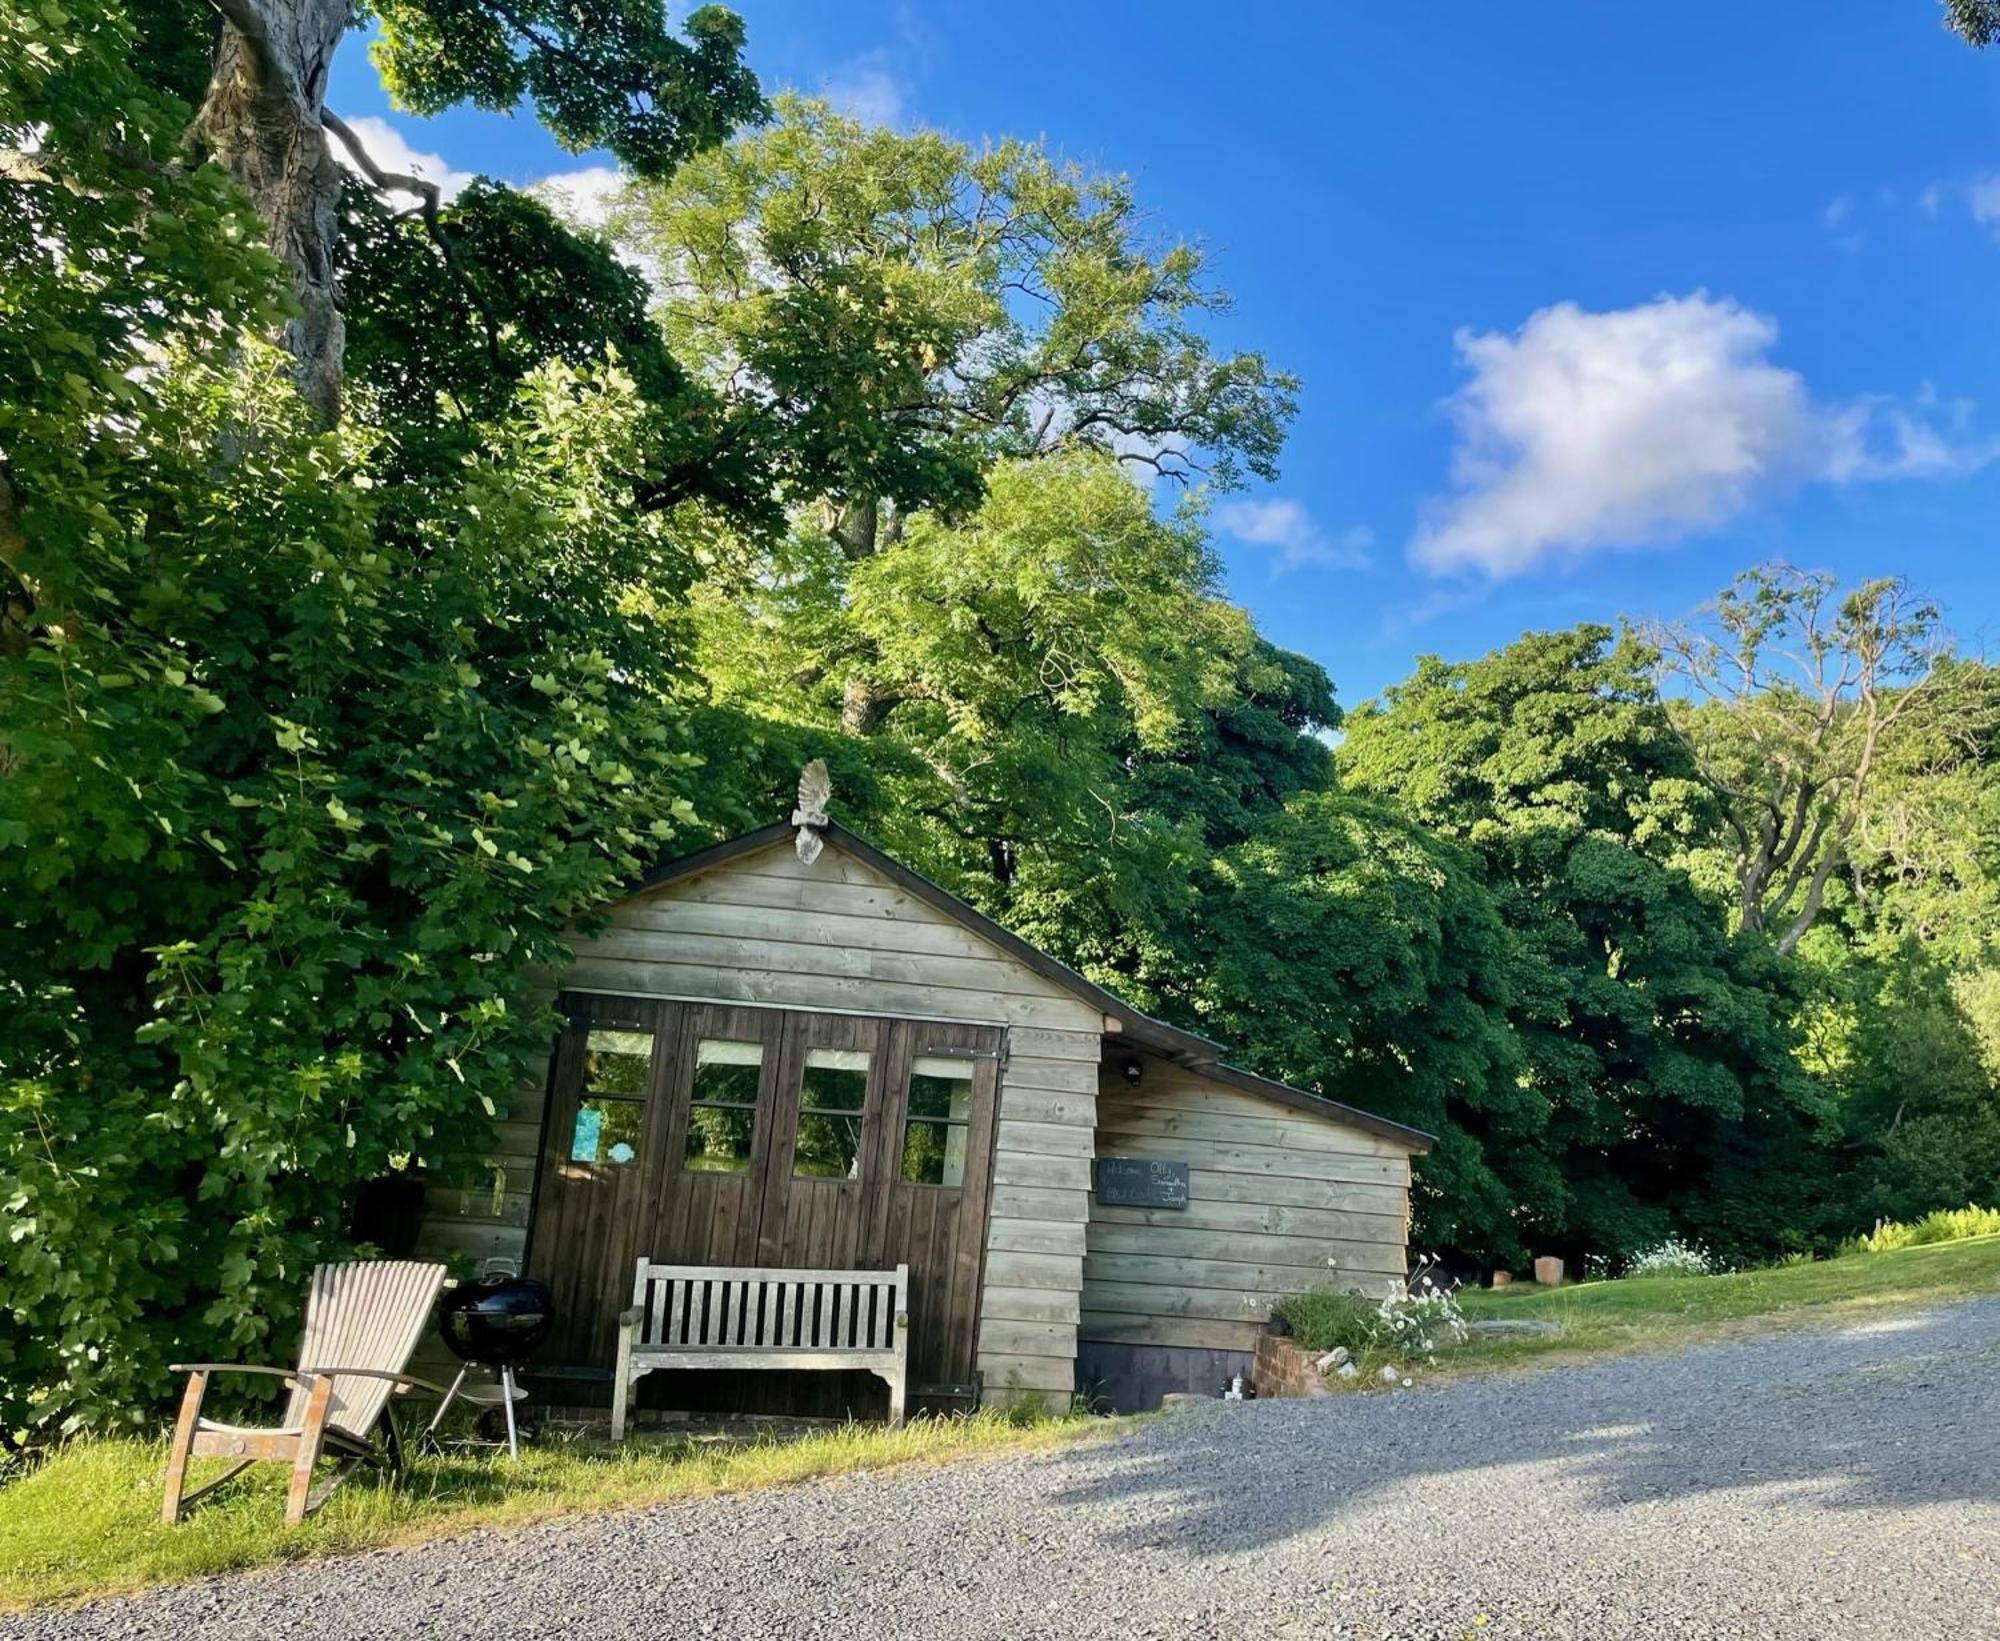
(1274,1194)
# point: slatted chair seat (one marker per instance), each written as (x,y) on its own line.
(694,1316)
(363,1321)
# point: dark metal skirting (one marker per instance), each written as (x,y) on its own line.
(1133,1378)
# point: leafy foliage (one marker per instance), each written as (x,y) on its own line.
(1945,1225)
(294,818)
(1977,22)
(1798,692)
(1658,1044)
(609,74)
(1354,953)
(299,787)
(906,310)
(1051,701)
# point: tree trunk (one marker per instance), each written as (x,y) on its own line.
(261,122)
(864,704)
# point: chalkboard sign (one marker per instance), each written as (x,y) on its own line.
(1131,1182)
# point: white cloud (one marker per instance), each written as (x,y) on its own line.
(584,196)
(1837,211)
(391,151)
(1583,431)
(863,88)
(1982,194)
(1979,195)
(1287,529)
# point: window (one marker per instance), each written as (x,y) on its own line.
(935,1125)
(832,1091)
(611,1108)
(722,1113)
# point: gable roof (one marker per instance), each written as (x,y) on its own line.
(1132,1025)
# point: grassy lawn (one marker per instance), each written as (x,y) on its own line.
(86,1521)
(1661,1312)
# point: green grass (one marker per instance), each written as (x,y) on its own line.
(1662,1312)
(85,1521)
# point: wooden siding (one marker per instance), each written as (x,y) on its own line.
(839,935)
(1274,1194)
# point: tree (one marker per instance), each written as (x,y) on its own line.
(1920,1101)
(304,770)
(1659,1041)
(1346,950)
(1044,704)
(1977,22)
(609,75)
(1794,695)
(907,311)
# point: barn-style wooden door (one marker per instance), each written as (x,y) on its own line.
(593,1198)
(932,1180)
(760,1136)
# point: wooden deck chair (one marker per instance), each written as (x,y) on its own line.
(362,1322)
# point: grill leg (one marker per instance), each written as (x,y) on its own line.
(450,1396)
(507,1386)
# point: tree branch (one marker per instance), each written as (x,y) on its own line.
(432,199)
(386,181)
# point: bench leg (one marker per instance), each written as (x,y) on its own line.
(621,1384)
(898,1396)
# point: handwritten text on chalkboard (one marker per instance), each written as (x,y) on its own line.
(1133,1182)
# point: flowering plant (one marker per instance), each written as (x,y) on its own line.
(1672,1257)
(1420,1315)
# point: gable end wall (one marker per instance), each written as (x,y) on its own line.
(766,929)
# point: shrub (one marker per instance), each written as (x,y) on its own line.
(1672,1257)
(1412,1320)
(1328,1318)
(1945,1225)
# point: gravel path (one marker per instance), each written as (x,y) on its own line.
(1820,1484)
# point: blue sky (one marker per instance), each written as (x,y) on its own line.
(1594,304)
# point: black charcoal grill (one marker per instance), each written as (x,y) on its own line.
(495,1321)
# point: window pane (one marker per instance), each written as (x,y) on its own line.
(616,1062)
(832,1087)
(941,1088)
(719,1138)
(727,1073)
(827,1148)
(934,1152)
(606,1130)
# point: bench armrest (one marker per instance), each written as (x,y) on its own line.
(631,1316)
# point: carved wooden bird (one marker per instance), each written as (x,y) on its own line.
(815,787)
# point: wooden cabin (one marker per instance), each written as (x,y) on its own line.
(791,1050)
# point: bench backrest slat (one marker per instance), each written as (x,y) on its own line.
(699,1307)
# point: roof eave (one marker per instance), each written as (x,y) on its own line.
(1121,1019)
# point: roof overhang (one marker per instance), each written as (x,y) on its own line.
(1122,1021)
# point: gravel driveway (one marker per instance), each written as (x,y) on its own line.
(1819,1484)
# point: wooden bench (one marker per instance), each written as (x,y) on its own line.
(694,1316)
